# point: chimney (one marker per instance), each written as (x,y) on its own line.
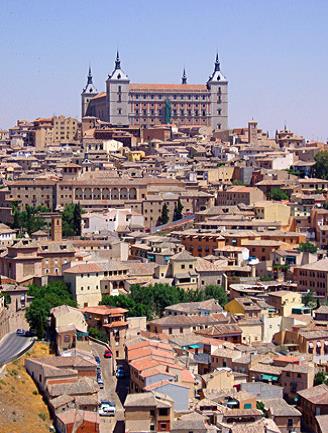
(56,227)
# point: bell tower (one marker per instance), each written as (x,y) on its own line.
(117,95)
(217,85)
(87,94)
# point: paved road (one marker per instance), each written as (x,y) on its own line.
(109,424)
(11,346)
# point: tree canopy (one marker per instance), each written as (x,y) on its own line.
(308,300)
(278,194)
(150,301)
(307,247)
(72,217)
(28,220)
(321,165)
(164,218)
(45,298)
(320,378)
(178,211)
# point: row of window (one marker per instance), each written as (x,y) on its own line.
(182,97)
(174,113)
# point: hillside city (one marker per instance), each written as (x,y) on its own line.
(160,271)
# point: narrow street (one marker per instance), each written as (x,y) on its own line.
(113,391)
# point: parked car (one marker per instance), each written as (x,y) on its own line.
(108,354)
(107,408)
(120,372)
(29,333)
(20,332)
(100,382)
(97,359)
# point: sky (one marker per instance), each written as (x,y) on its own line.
(273,52)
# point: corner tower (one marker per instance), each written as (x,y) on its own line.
(217,85)
(87,94)
(117,95)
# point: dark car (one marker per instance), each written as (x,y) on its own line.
(20,332)
(29,333)
(97,359)
(120,372)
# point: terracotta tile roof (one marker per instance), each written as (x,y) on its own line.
(84,268)
(167,87)
(146,351)
(187,376)
(104,310)
(315,394)
(100,95)
(116,324)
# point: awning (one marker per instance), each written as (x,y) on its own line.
(269,377)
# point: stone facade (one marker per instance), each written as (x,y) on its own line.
(148,105)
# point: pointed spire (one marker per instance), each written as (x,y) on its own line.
(184,77)
(117,61)
(89,76)
(217,62)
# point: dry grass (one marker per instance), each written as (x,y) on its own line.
(22,409)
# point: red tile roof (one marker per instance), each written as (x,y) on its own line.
(173,87)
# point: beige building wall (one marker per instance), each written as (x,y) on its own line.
(271,212)
(85,289)
(251,331)
(220,380)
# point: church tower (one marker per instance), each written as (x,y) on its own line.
(217,85)
(117,95)
(87,94)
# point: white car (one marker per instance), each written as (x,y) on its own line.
(107,408)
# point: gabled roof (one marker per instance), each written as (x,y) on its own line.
(183,256)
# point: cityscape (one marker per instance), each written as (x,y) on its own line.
(163,267)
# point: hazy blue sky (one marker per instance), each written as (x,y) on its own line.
(274,53)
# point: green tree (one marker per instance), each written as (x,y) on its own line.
(278,194)
(164,218)
(150,301)
(43,299)
(260,406)
(216,292)
(72,217)
(321,165)
(294,172)
(178,211)
(99,334)
(320,378)
(308,300)
(307,247)
(30,219)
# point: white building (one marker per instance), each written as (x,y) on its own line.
(114,220)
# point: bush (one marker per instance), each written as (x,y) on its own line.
(42,415)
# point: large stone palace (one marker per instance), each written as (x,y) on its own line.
(130,104)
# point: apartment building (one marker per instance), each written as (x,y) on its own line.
(113,321)
(313,277)
(53,131)
(235,195)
